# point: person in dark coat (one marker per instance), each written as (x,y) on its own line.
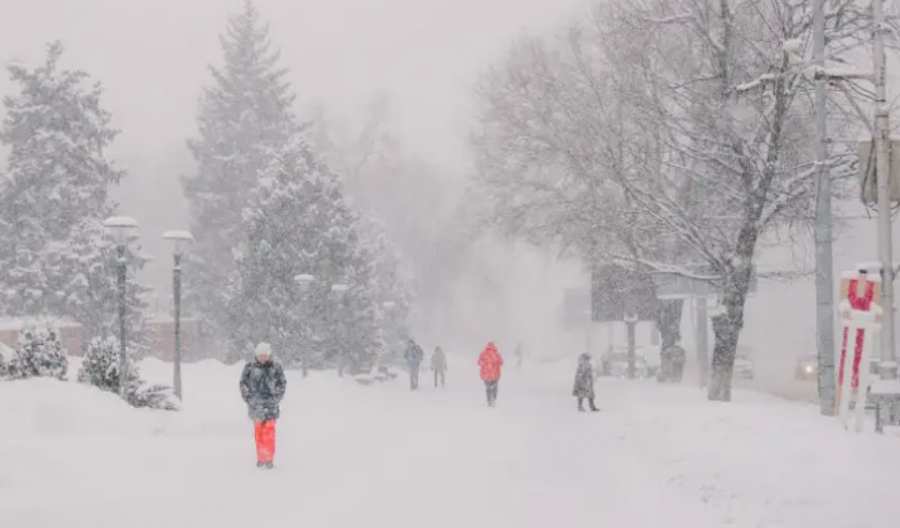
(414,356)
(262,387)
(584,383)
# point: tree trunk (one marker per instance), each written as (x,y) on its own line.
(724,353)
(727,325)
(668,321)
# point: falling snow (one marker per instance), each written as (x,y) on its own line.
(515,263)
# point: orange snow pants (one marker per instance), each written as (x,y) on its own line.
(265,440)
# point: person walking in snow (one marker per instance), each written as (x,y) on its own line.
(438,365)
(414,356)
(584,383)
(491,363)
(262,387)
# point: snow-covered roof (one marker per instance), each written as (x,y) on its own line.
(871,267)
(16,323)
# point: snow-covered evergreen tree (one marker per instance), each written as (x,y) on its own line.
(4,364)
(390,289)
(39,353)
(297,222)
(55,197)
(87,268)
(243,115)
(100,368)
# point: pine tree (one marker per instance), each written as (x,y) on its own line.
(243,115)
(39,353)
(100,366)
(390,290)
(297,222)
(55,197)
(87,270)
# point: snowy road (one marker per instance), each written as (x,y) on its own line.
(352,456)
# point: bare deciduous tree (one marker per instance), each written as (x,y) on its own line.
(674,135)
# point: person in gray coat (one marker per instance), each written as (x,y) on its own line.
(262,387)
(414,356)
(584,383)
(439,365)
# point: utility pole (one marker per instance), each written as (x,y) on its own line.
(882,171)
(823,229)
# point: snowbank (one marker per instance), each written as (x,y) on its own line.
(44,407)
(760,458)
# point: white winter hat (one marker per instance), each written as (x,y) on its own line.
(263,349)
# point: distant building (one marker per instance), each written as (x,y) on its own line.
(161,330)
(71,333)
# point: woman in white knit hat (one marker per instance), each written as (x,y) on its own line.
(262,387)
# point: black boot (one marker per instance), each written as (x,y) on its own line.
(593,407)
(270,465)
(580,405)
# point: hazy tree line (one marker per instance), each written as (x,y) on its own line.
(273,195)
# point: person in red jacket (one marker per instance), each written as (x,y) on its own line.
(490,362)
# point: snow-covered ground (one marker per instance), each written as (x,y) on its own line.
(353,456)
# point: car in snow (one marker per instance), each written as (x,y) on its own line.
(807,367)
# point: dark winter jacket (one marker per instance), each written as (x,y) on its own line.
(262,387)
(414,354)
(584,378)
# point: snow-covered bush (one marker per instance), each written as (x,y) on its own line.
(141,394)
(100,368)
(39,353)
(4,367)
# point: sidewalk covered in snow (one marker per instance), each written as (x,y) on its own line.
(351,456)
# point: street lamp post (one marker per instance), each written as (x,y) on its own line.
(120,228)
(304,280)
(339,290)
(631,320)
(179,240)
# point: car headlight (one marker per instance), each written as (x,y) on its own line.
(808,369)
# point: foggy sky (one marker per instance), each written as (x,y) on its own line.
(151,55)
